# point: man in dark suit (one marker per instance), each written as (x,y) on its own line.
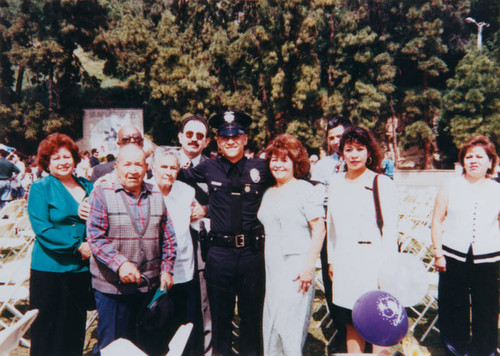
(193,138)
(103,168)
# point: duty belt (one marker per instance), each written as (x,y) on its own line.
(234,241)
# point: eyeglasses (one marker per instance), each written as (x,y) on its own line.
(190,134)
(137,138)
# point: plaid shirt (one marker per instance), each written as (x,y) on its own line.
(98,224)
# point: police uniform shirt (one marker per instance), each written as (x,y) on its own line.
(255,179)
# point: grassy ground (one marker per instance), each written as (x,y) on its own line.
(316,343)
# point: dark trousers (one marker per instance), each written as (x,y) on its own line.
(117,317)
(339,343)
(467,288)
(61,299)
(235,273)
(185,297)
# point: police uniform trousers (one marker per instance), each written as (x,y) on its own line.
(231,273)
(466,288)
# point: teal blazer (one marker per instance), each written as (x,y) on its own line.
(59,230)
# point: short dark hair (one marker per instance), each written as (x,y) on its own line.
(94,150)
(288,145)
(50,144)
(110,157)
(337,121)
(359,135)
(194,118)
(488,147)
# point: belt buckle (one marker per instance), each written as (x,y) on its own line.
(239,240)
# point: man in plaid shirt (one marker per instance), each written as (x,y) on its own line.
(130,234)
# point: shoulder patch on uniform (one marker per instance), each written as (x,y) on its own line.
(255,175)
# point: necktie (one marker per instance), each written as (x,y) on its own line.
(234,176)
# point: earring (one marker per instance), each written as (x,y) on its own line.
(369,161)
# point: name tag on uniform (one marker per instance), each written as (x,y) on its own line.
(218,184)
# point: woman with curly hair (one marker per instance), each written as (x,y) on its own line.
(466,239)
(357,243)
(60,279)
(293,217)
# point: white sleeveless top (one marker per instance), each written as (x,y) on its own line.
(472,220)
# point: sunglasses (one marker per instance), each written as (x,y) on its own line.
(190,134)
(134,138)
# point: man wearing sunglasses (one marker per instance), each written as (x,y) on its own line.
(193,138)
(126,134)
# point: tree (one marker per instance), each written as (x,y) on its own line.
(471,105)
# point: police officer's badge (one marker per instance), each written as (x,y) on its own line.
(229,117)
(255,175)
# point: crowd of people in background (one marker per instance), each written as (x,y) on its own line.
(196,226)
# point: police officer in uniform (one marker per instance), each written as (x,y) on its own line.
(235,260)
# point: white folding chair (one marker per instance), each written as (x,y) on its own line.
(430,304)
(122,347)
(126,347)
(179,340)
(10,337)
(13,292)
(13,209)
(18,237)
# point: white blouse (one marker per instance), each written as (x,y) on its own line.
(178,203)
(472,220)
(355,246)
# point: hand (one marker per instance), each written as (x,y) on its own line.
(166,280)
(330,272)
(305,280)
(440,264)
(129,273)
(197,211)
(85,251)
(84,209)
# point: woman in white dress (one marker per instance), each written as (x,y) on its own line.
(466,239)
(357,246)
(293,217)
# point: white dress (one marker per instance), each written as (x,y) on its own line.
(285,213)
(355,246)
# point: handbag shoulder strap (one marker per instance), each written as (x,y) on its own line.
(376,200)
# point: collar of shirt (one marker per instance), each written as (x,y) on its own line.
(335,156)
(240,165)
(145,188)
(183,159)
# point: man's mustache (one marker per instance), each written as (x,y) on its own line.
(195,143)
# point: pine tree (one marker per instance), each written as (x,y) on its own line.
(471,105)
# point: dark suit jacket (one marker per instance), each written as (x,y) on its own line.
(201,189)
(101,170)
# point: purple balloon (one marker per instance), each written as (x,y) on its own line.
(380,318)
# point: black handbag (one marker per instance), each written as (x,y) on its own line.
(153,325)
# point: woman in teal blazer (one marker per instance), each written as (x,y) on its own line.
(60,280)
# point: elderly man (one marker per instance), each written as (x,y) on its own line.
(235,261)
(130,234)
